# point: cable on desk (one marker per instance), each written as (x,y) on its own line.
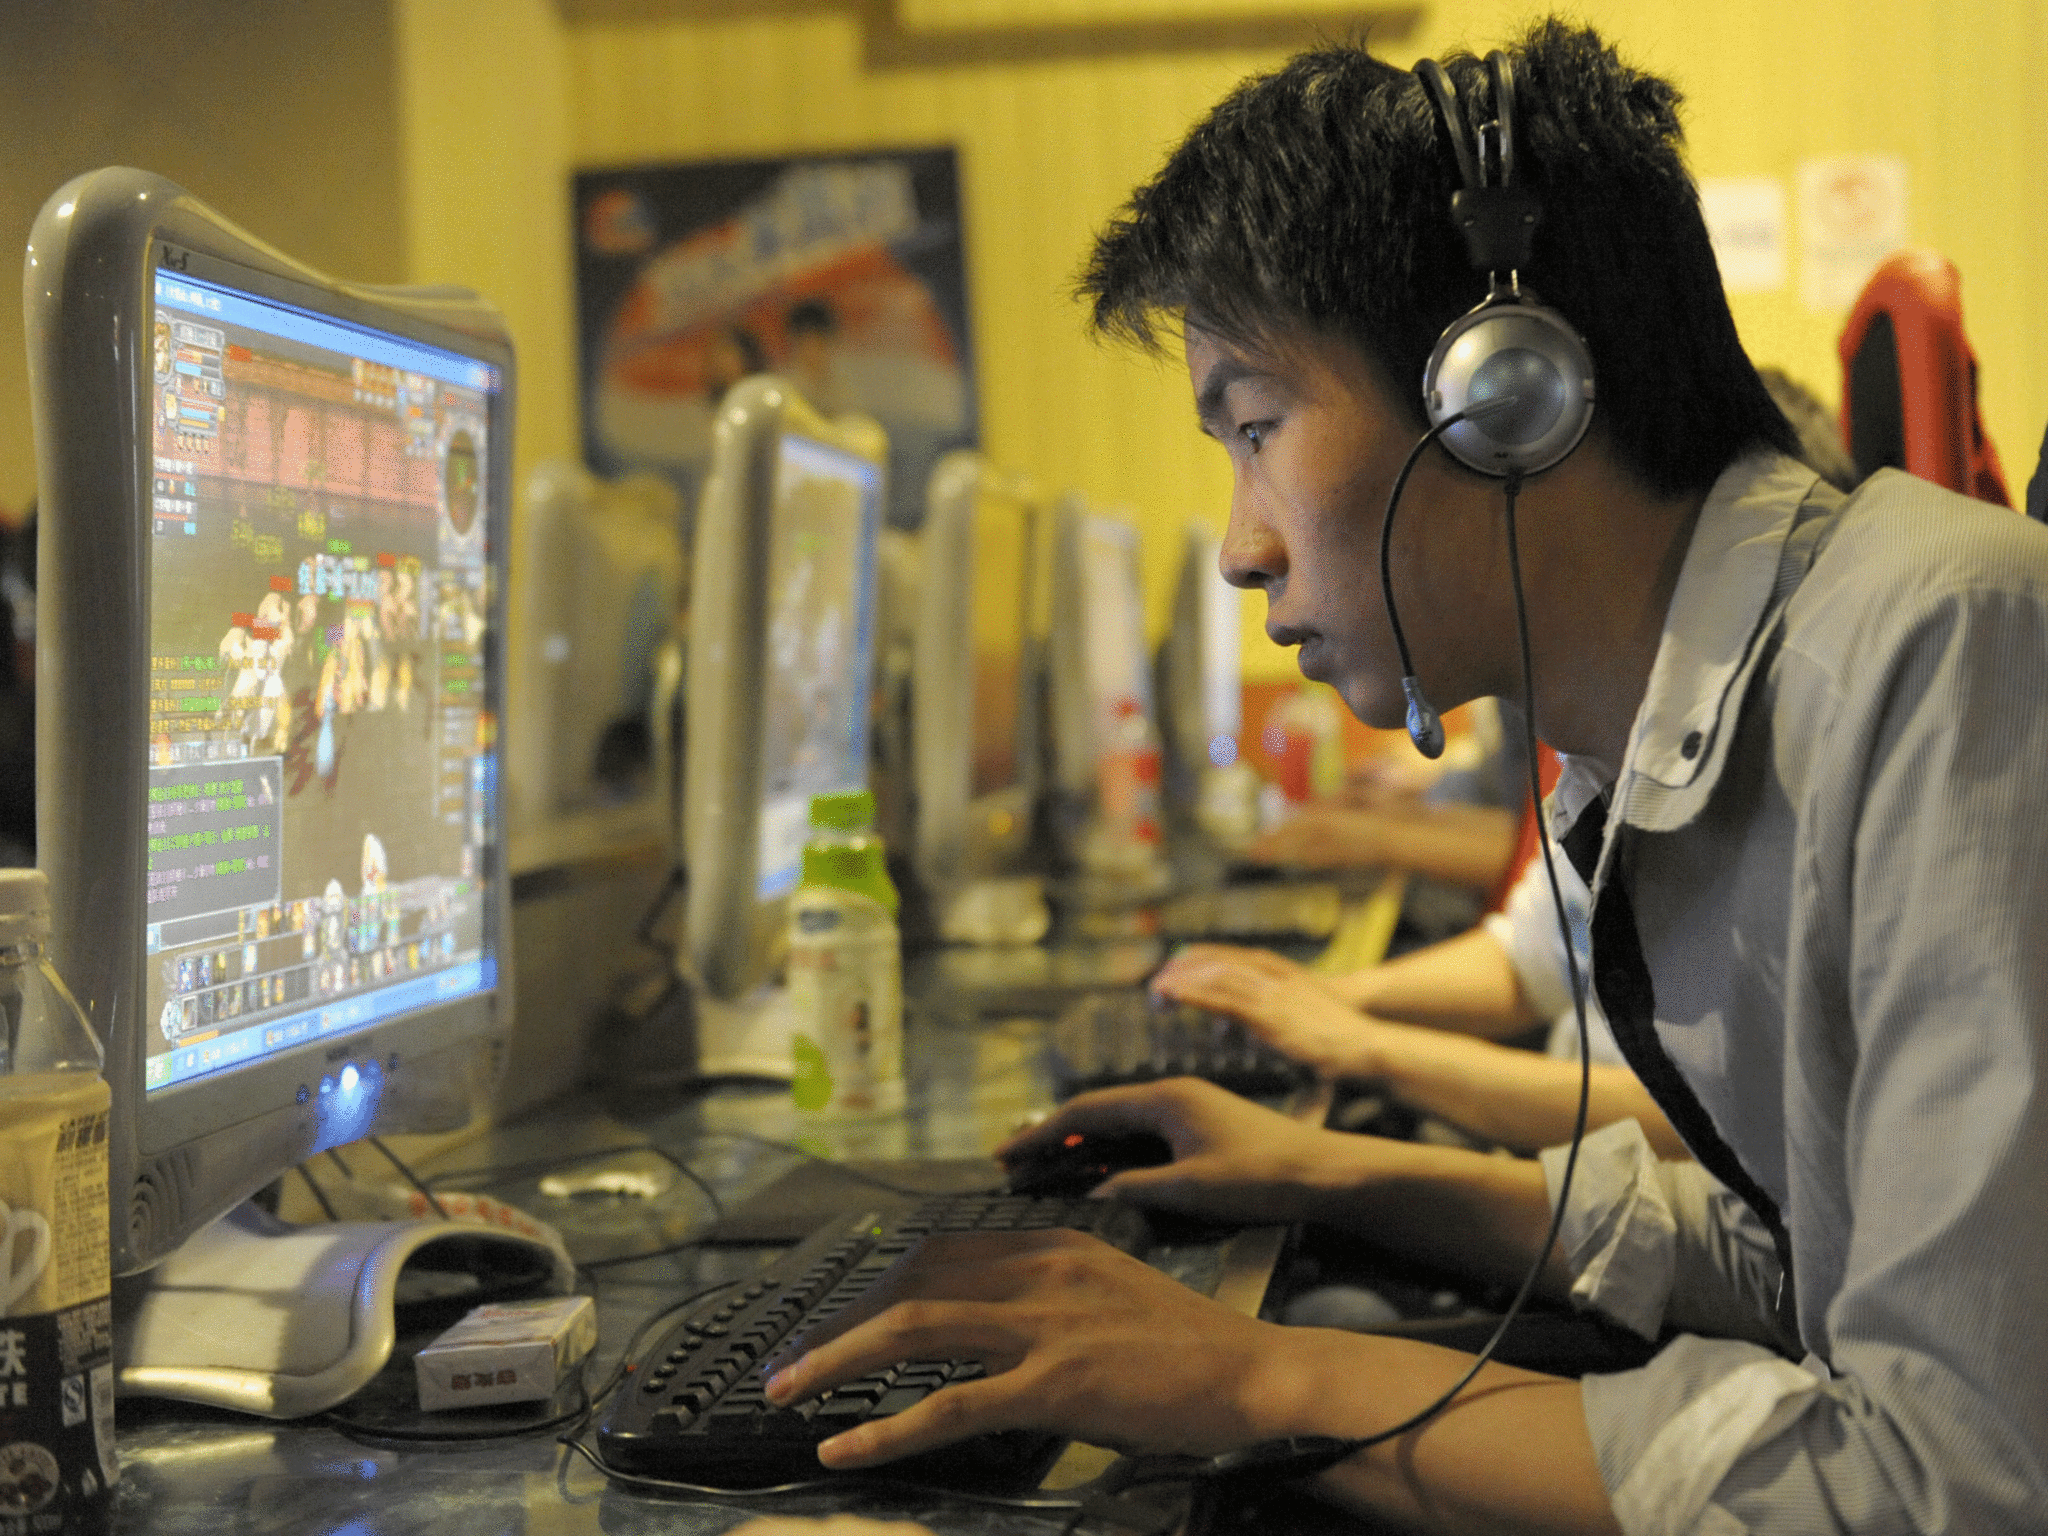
(549,1165)
(319,1196)
(825,1482)
(846,1169)
(575,1417)
(410,1177)
(618,1260)
(373,1434)
(678,878)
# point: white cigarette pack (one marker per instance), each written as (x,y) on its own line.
(506,1352)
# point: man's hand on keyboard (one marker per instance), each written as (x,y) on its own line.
(1286,1005)
(1077,1338)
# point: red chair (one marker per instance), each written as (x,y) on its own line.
(1909,380)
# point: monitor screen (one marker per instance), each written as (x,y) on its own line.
(272,551)
(319,752)
(821,649)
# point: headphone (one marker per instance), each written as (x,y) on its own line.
(1510,348)
(1509,385)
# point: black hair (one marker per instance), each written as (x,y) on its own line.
(1317,198)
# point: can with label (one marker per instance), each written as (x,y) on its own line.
(57,1466)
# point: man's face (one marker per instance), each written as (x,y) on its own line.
(1314,447)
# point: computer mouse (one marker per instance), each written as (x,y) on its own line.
(1080,1160)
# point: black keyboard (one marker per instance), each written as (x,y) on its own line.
(1134,1037)
(692,1409)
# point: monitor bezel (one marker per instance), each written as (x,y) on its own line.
(733,937)
(183,1155)
(955,839)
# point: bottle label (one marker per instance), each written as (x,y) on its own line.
(57,1465)
(846,996)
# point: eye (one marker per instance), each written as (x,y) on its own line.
(1254,433)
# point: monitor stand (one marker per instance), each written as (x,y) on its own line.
(753,1036)
(263,1317)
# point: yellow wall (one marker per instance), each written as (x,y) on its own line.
(282,117)
(433,140)
(1053,135)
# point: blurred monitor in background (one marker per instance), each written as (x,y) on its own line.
(602,573)
(782,640)
(1105,747)
(975,721)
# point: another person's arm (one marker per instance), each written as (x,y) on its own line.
(1461,844)
(1516,1098)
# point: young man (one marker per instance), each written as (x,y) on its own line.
(1802,747)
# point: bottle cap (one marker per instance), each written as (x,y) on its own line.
(844,810)
(857,868)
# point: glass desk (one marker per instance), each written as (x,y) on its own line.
(196,1472)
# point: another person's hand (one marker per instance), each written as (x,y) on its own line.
(1390,783)
(1323,836)
(1078,1339)
(1286,1005)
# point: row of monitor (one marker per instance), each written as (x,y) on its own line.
(272,668)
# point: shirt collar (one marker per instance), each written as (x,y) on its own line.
(1718,612)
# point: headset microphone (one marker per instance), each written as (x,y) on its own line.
(1425,725)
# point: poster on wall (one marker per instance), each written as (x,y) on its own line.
(844,273)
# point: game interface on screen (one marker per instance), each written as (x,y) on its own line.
(320,741)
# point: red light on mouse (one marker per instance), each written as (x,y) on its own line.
(1073,1139)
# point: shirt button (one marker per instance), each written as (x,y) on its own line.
(1690,747)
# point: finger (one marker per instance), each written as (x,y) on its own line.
(911,1330)
(1220,991)
(964,1266)
(949,1414)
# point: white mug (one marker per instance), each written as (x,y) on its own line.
(19,1273)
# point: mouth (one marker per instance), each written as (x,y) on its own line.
(1288,635)
(1308,658)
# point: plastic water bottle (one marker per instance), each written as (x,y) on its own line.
(57,1465)
(845,966)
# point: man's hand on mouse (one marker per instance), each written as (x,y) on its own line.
(1233,1160)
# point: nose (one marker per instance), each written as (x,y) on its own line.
(1253,555)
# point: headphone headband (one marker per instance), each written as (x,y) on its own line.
(1519,359)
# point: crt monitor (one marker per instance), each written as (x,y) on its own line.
(1211,793)
(780,681)
(601,587)
(270,624)
(1105,748)
(979,630)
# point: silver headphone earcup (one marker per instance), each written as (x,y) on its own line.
(1530,360)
